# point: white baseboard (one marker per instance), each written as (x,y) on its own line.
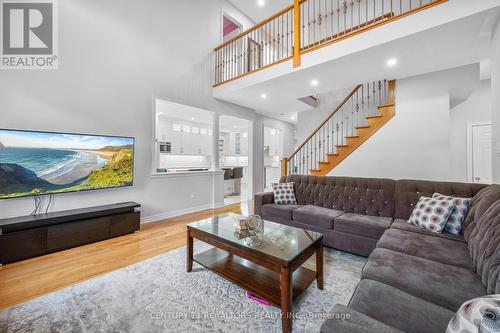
(175,213)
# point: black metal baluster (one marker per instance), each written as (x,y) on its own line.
(357,108)
(314,21)
(374,96)
(352,14)
(338,17)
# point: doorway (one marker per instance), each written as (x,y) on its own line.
(234,153)
(479,153)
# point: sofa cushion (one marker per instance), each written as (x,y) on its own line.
(367,196)
(365,225)
(438,249)
(283,194)
(444,285)
(358,244)
(408,192)
(399,309)
(431,214)
(317,216)
(484,247)
(403,225)
(457,216)
(278,211)
(347,320)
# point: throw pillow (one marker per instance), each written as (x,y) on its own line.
(283,194)
(457,217)
(477,315)
(431,214)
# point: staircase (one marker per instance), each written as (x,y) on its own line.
(366,109)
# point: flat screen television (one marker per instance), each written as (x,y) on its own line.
(40,163)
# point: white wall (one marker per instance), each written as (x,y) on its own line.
(289,144)
(495,102)
(309,120)
(114,57)
(477,108)
(416,142)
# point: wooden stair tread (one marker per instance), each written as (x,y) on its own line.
(382,114)
(386,105)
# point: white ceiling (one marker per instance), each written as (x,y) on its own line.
(454,44)
(169,110)
(256,13)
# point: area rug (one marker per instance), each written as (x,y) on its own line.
(157,295)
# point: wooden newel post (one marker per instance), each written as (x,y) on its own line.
(284,167)
(296,33)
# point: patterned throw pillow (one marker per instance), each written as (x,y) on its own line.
(431,214)
(457,217)
(283,194)
(478,315)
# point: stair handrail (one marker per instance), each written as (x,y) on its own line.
(345,100)
(390,100)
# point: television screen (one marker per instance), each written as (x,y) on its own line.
(39,163)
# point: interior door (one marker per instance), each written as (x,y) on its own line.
(482,154)
(254,55)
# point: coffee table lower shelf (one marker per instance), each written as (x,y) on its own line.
(259,280)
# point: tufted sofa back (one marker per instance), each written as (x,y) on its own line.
(479,205)
(408,192)
(367,196)
(484,247)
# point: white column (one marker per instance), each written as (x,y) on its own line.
(495,102)
(215,141)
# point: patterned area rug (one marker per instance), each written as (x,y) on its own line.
(157,295)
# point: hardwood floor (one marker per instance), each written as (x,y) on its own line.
(28,279)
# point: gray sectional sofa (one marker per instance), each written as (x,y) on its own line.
(414,280)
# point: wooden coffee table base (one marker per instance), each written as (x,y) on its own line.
(278,283)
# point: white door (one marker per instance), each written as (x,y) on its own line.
(482,154)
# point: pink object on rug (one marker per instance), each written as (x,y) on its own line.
(257,299)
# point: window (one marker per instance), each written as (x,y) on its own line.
(178,144)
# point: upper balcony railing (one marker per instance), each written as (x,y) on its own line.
(309,23)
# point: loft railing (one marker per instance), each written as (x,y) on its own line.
(311,24)
(350,114)
(267,43)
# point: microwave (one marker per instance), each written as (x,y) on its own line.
(165,147)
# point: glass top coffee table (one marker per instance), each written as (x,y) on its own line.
(269,265)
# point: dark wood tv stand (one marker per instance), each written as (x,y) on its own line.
(34,235)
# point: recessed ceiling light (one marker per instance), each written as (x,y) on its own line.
(263,96)
(391,62)
(314,83)
(261,3)
(292,117)
(192,118)
(235,126)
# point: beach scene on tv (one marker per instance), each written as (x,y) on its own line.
(37,163)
